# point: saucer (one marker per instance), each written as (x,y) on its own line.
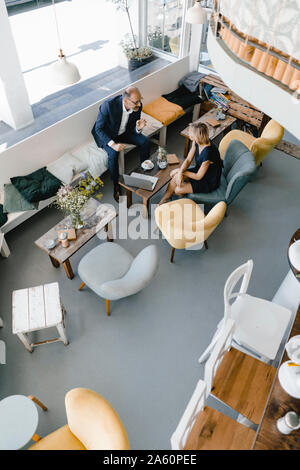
(49,244)
(147,165)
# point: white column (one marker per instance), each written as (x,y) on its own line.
(15,108)
(195,46)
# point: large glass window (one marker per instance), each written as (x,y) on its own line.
(165,25)
(204,56)
(90,34)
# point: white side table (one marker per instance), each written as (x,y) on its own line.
(37,308)
(18,422)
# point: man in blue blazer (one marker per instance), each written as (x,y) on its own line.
(119,123)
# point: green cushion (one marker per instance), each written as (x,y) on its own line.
(14,201)
(3,217)
(37,186)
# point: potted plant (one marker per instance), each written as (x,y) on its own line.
(136,55)
(71,201)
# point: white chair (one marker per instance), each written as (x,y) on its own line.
(220,349)
(260,324)
(238,380)
(194,407)
(203,427)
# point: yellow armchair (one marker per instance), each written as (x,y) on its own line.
(174,44)
(261,146)
(93,424)
(184,224)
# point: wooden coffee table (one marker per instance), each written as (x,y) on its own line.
(101,218)
(163,179)
(224,127)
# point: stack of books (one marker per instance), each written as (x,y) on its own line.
(220,101)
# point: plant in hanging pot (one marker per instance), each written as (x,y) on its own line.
(136,55)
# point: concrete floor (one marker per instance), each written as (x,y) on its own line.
(143,358)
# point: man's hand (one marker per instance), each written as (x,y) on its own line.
(118,147)
(140,124)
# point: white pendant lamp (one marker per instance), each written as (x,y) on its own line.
(62,72)
(196,14)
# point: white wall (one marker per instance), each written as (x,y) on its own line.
(46,146)
(255,88)
(15,108)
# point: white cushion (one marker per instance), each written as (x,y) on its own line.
(94,157)
(66,167)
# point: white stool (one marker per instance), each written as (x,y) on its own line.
(37,308)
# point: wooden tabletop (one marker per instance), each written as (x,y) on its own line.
(294,238)
(213,131)
(162,175)
(102,215)
(279,403)
(238,107)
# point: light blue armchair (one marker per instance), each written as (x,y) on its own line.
(239,167)
(112,273)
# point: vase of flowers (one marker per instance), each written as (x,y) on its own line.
(71,201)
(162,158)
(90,185)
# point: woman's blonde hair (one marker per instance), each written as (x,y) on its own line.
(200,131)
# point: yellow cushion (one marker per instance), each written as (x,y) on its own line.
(163,110)
(184,224)
(261,146)
(61,439)
(94,421)
(242,136)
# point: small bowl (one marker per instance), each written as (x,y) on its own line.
(49,244)
(147,165)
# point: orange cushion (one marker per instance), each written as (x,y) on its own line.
(163,110)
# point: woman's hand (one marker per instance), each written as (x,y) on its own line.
(174,172)
(178,178)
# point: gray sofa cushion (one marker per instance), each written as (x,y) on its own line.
(239,166)
(15,202)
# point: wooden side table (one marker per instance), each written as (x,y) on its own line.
(224,127)
(61,256)
(37,308)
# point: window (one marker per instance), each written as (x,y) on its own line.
(90,33)
(164,26)
(204,57)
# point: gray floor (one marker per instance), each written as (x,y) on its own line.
(143,358)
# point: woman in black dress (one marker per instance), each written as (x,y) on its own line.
(205,175)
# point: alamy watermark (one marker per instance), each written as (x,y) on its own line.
(181,223)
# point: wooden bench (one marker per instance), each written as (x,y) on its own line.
(16,218)
(238,107)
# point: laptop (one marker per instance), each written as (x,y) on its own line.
(140,181)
